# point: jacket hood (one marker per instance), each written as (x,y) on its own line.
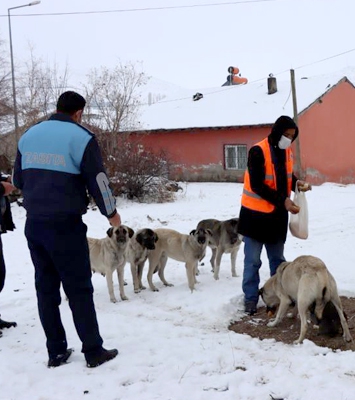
(280,127)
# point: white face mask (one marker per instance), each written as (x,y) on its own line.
(284,142)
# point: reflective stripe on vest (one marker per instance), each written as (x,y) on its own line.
(251,199)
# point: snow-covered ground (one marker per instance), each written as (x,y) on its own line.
(175,345)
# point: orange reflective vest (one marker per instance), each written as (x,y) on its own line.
(252,200)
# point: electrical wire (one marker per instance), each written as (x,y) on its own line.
(228,3)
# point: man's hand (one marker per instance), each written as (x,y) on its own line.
(115,220)
(9,188)
(304,186)
(6,178)
(291,206)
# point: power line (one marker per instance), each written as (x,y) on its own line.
(325,59)
(228,3)
(262,79)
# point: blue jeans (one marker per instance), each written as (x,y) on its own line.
(252,264)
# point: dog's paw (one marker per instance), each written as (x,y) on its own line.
(234,275)
(124,298)
(216,277)
(113,299)
(155,289)
(272,324)
(298,341)
(142,288)
(168,284)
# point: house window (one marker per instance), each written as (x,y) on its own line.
(235,156)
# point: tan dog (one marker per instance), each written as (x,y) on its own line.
(224,239)
(109,254)
(185,248)
(306,282)
(140,245)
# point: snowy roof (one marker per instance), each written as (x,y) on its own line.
(241,105)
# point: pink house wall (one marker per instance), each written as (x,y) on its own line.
(327,137)
(199,153)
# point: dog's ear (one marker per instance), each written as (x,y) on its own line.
(193,232)
(130,232)
(139,238)
(155,237)
(110,232)
(261,291)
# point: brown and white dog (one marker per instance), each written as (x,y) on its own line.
(185,248)
(109,254)
(139,247)
(306,282)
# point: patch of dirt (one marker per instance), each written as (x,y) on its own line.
(289,328)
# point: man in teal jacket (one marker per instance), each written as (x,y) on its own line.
(58,163)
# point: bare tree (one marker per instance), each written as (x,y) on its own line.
(39,87)
(113,99)
(6,109)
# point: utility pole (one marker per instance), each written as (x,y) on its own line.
(33,3)
(298,165)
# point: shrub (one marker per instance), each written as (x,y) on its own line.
(138,172)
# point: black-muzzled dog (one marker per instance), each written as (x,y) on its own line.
(109,254)
(224,239)
(139,247)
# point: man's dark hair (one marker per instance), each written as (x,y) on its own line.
(70,102)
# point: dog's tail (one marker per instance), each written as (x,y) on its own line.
(320,304)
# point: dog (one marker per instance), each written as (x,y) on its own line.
(109,254)
(185,248)
(329,324)
(306,282)
(139,247)
(224,239)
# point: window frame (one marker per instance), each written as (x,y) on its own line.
(225,157)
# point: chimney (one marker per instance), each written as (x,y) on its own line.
(271,84)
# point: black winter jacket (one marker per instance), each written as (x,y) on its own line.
(6,223)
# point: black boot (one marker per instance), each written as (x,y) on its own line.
(60,359)
(101,357)
(5,324)
(250,307)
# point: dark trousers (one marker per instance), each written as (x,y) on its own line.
(2,268)
(60,253)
